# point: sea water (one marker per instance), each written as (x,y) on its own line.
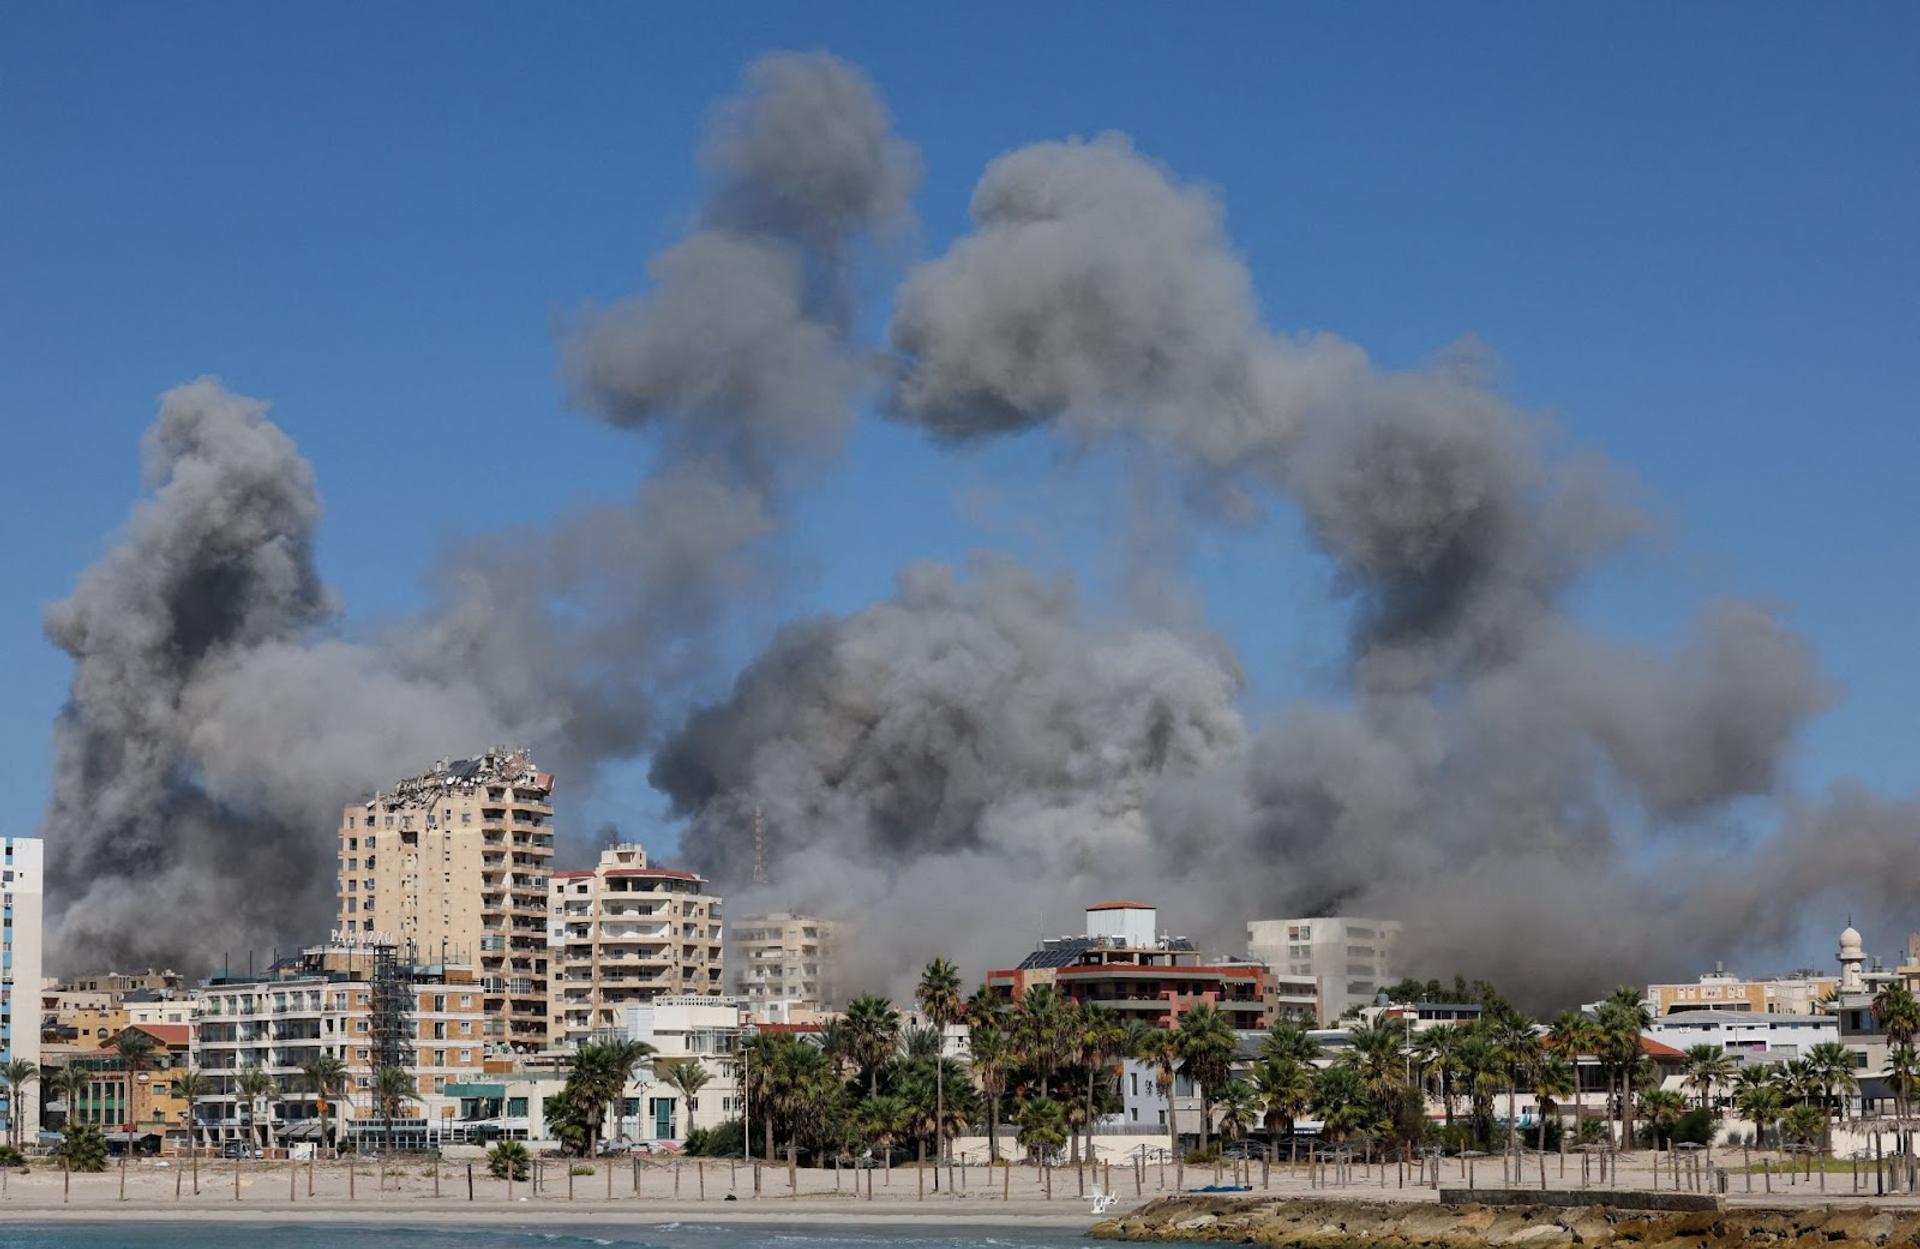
(510,1235)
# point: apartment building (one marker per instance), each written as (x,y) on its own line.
(455,862)
(623,934)
(20,899)
(692,1029)
(1124,963)
(365,1005)
(783,964)
(1802,993)
(1350,957)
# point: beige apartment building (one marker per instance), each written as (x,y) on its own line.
(624,933)
(783,964)
(455,863)
(1802,993)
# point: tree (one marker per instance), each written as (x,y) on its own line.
(508,1160)
(73,1084)
(882,1121)
(1708,1067)
(1903,1076)
(258,1089)
(873,1029)
(392,1090)
(136,1050)
(1804,1124)
(82,1148)
(1897,1012)
(1623,1017)
(1207,1048)
(192,1087)
(1833,1069)
(326,1075)
(1239,1109)
(1440,1053)
(1043,1126)
(18,1073)
(1572,1036)
(687,1079)
(1099,1038)
(1662,1109)
(1288,1041)
(1285,1088)
(1043,1032)
(1160,1049)
(938,994)
(1760,1102)
(991,1051)
(1553,1079)
(1341,1099)
(599,1077)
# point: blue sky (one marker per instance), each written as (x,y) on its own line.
(1688,232)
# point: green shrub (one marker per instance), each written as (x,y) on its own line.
(509,1160)
(11,1157)
(83,1148)
(579,1168)
(724,1141)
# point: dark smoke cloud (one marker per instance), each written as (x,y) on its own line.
(214,731)
(1497,771)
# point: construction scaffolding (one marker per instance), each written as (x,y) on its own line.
(390,1021)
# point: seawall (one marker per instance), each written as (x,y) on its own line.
(1309,1224)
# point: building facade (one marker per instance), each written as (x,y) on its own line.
(624,934)
(20,988)
(1350,957)
(137,1110)
(1755,1036)
(1124,963)
(1803,993)
(367,1007)
(455,862)
(697,1030)
(783,964)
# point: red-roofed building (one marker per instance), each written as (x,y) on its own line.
(1123,963)
(623,934)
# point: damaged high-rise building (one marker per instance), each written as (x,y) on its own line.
(455,863)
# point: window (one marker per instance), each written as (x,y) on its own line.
(516,1107)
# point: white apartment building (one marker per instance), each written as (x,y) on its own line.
(20,988)
(1351,957)
(624,934)
(682,1029)
(783,964)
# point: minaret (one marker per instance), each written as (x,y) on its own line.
(1853,957)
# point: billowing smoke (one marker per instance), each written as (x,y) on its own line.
(959,768)
(1496,770)
(219,720)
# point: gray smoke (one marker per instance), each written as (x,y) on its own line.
(219,721)
(1497,770)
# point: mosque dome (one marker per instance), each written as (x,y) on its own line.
(1850,944)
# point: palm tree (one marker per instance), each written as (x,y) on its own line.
(1160,1049)
(687,1079)
(1207,1047)
(1553,1079)
(1284,1087)
(256,1086)
(1287,1040)
(1517,1049)
(991,1051)
(599,1078)
(1760,1102)
(1099,1038)
(938,994)
(1239,1108)
(1662,1108)
(18,1073)
(192,1087)
(1623,1017)
(136,1050)
(1571,1036)
(393,1089)
(1043,1126)
(1708,1066)
(1043,1032)
(326,1075)
(1898,1013)
(1833,1067)
(883,1121)
(873,1028)
(1903,1076)
(1440,1053)
(1341,1100)
(72,1083)
(1804,1124)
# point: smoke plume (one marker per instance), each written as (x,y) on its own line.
(220,719)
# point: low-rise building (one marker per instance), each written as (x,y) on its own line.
(702,1031)
(1756,1036)
(1801,993)
(136,1110)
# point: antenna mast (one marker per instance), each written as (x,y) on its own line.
(759,847)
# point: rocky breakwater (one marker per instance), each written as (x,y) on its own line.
(1306,1224)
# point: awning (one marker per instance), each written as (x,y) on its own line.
(122,1138)
(475,1090)
(306,1130)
